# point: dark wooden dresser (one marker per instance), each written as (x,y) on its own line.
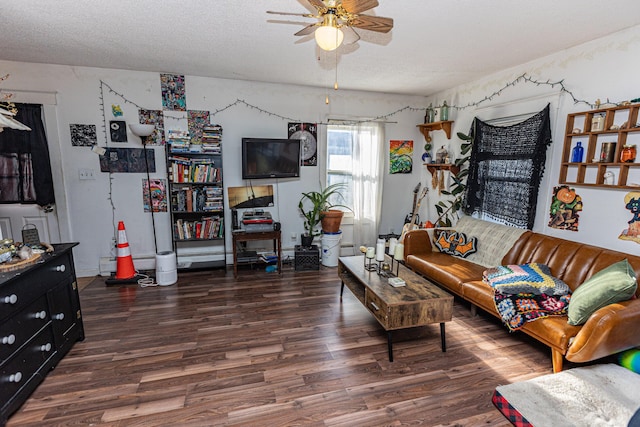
(40,320)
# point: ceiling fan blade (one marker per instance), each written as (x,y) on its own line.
(318,4)
(307,30)
(372,23)
(358,6)
(306,15)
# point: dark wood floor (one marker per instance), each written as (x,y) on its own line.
(272,350)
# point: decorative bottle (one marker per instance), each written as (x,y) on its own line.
(577,153)
(444,112)
(429,114)
(628,153)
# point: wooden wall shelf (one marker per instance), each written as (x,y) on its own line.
(425,128)
(434,167)
(620,126)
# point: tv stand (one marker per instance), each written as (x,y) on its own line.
(243,236)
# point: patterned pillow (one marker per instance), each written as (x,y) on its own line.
(530,278)
(454,243)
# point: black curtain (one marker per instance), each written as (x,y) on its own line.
(25,167)
(505,170)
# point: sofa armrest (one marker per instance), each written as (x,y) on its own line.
(610,330)
(417,242)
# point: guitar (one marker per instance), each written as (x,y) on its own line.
(409,217)
(414,217)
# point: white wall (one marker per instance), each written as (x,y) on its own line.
(87,215)
(603,69)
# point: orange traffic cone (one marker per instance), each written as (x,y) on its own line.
(124,265)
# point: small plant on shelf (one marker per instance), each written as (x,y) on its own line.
(448,209)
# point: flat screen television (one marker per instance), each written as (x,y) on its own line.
(270,158)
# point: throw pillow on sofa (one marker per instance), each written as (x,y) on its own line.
(434,233)
(613,284)
(530,278)
(454,243)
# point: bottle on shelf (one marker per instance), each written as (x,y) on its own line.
(577,153)
(628,153)
(597,122)
(444,112)
(429,114)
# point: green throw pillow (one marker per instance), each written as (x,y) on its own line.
(613,284)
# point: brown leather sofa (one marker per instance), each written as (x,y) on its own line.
(609,330)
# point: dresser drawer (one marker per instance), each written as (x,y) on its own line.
(27,366)
(16,295)
(377,307)
(17,330)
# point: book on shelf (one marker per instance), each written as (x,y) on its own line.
(203,229)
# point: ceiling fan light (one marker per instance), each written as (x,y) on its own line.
(329,37)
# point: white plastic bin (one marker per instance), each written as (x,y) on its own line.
(331,248)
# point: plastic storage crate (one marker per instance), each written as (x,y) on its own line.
(307,258)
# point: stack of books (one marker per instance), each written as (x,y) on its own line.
(178,140)
(211,139)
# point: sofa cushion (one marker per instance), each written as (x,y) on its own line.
(455,243)
(495,240)
(434,233)
(613,284)
(532,278)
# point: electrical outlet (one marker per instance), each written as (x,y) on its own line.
(294,237)
(84,174)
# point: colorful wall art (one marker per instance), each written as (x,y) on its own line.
(400,156)
(158,189)
(173,92)
(632,203)
(154,117)
(565,206)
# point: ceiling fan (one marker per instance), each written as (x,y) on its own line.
(336,14)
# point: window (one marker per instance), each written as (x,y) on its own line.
(355,157)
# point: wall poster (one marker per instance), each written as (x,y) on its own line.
(153,117)
(307,133)
(173,92)
(158,189)
(400,156)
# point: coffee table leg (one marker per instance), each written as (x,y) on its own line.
(443,338)
(341,290)
(390,345)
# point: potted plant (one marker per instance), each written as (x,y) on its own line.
(448,209)
(315,206)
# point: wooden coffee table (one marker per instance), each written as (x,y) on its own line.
(419,303)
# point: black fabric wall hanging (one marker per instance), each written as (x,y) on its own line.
(505,169)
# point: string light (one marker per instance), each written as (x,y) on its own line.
(523,78)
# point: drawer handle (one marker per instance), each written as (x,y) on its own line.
(41,314)
(15,378)
(374,305)
(61,268)
(9,339)
(59,316)
(46,347)
(11,299)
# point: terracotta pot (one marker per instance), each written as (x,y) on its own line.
(331,220)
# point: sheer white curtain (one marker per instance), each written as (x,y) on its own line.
(367,165)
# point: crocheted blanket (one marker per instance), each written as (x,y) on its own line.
(517,309)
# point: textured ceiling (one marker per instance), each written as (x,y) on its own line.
(434,45)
